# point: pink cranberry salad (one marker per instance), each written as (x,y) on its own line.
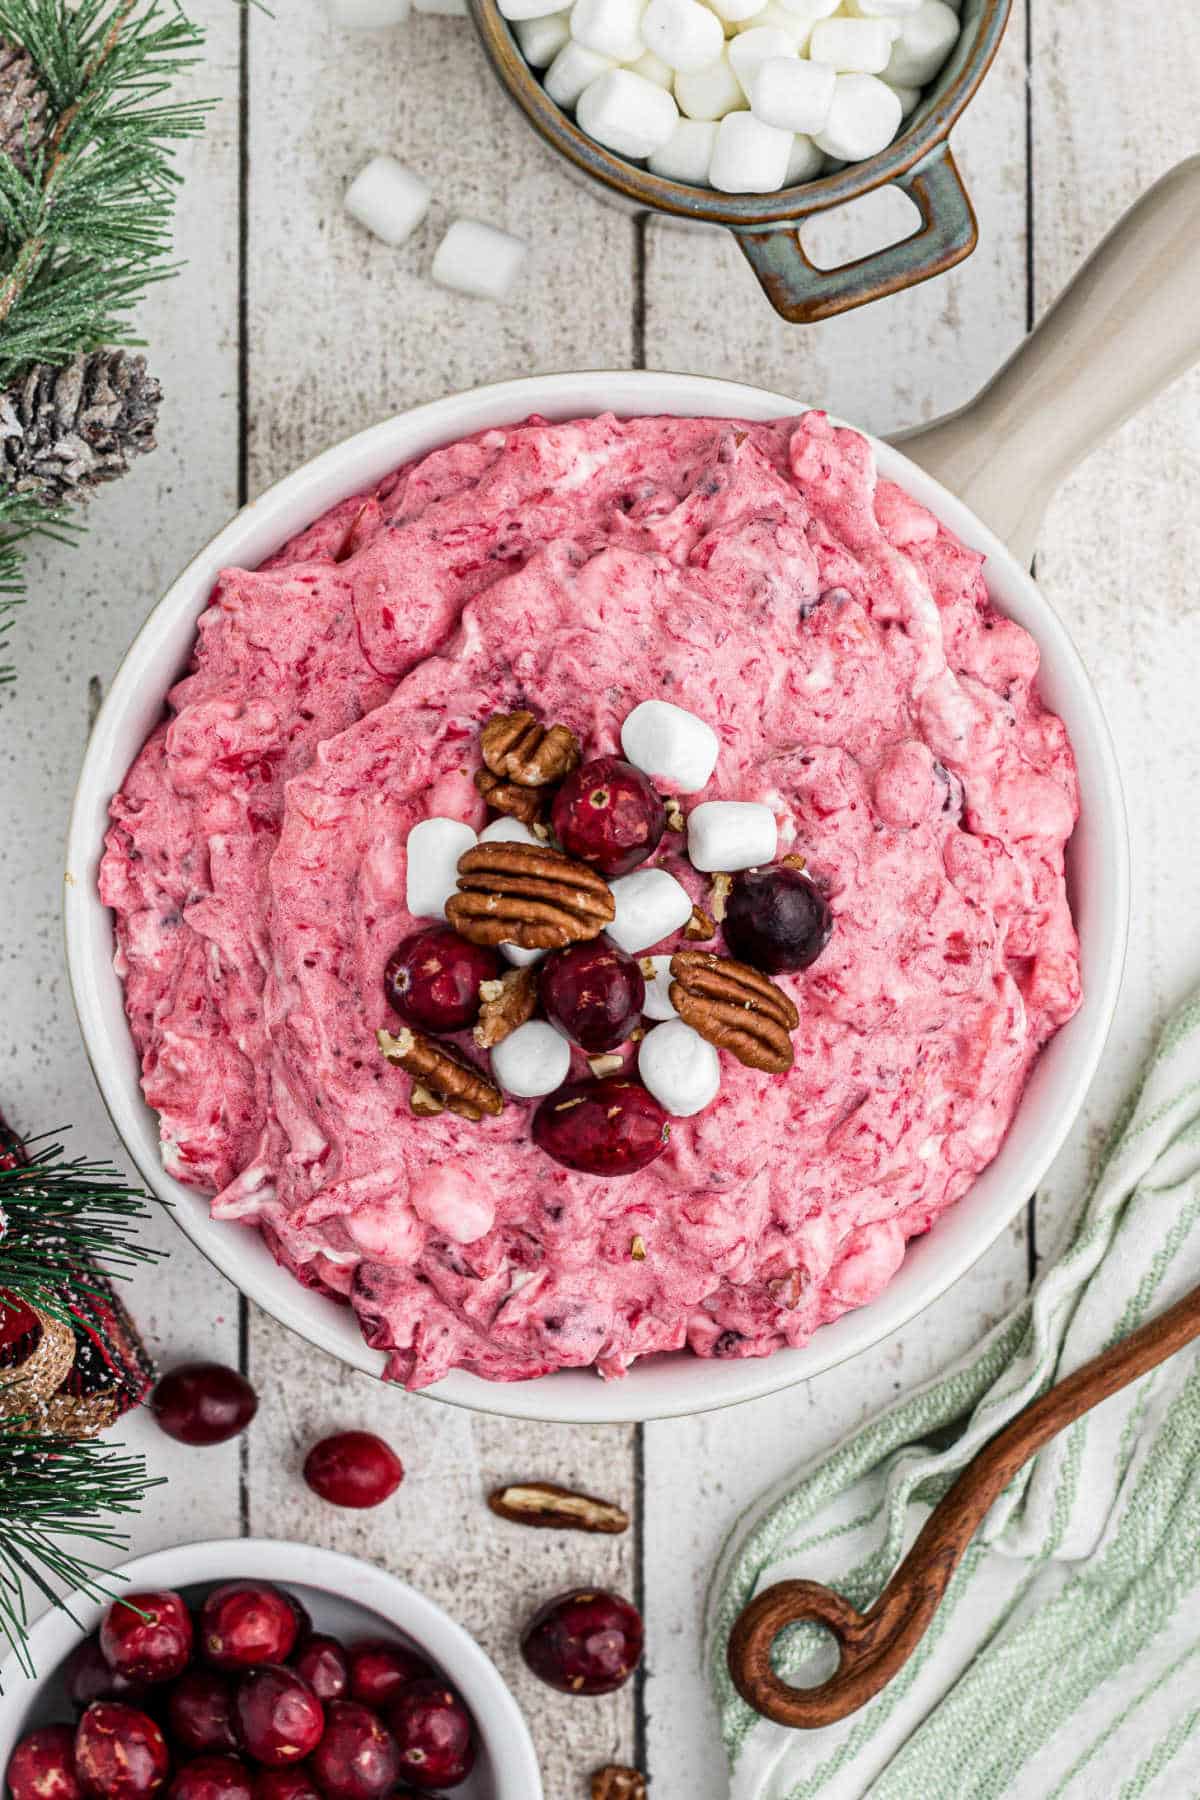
(600,893)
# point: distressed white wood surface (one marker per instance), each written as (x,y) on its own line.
(291,328)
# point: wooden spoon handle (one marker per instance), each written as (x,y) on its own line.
(875,1645)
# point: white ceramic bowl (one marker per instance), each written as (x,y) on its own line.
(346,1597)
(665,1386)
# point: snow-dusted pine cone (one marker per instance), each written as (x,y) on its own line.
(64,431)
(23,105)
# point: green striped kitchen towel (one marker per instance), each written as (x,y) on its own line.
(1065,1659)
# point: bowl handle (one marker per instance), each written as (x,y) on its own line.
(802,293)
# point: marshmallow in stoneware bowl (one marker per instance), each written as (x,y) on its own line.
(680,1068)
(514,10)
(542,38)
(656,972)
(611,28)
(388,199)
(687,153)
(573,70)
(792,94)
(926,39)
(751,48)
(863,119)
(627,113)
(852,46)
(682,33)
(710,93)
(749,157)
(433,849)
(478,260)
(532,1060)
(675,747)
(726,835)
(805,162)
(650,906)
(653,68)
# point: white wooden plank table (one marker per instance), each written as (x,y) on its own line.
(290,328)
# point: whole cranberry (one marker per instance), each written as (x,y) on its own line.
(213,1778)
(432,979)
(433,1730)
(200,1712)
(147,1636)
(584,1641)
(595,992)
(286,1784)
(378,1670)
(277,1717)
(120,1752)
(203,1403)
(324,1664)
(247,1622)
(357,1759)
(601,1127)
(353,1468)
(304,1624)
(87,1677)
(776,920)
(608,814)
(42,1767)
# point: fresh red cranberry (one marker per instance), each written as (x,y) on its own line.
(42,1767)
(304,1624)
(584,1642)
(200,1713)
(247,1622)
(433,1730)
(353,1468)
(601,1127)
(286,1784)
(147,1636)
(595,992)
(432,979)
(324,1664)
(120,1752)
(357,1759)
(378,1670)
(87,1677)
(277,1717)
(213,1778)
(608,814)
(203,1403)
(776,920)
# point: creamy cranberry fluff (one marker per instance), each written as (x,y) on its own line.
(863,956)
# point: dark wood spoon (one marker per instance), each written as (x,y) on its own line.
(875,1645)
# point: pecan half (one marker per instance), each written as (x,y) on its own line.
(516,748)
(505,1004)
(442,1072)
(506,797)
(614,1782)
(735,1007)
(699,927)
(528,894)
(553,1508)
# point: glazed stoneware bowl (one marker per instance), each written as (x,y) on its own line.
(345,1597)
(767,226)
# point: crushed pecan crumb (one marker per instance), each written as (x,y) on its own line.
(528,894)
(443,1072)
(637,1248)
(675,820)
(423,1103)
(799,863)
(553,1508)
(507,797)
(786,1290)
(735,1007)
(699,926)
(722,887)
(615,1782)
(517,748)
(504,1005)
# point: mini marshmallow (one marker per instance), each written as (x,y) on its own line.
(792,94)
(388,199)
(926,39)
(711,93)
(541,39)
(683,33)
(609,27)
(686,155)
(810,10)
(571,71)
(626,113)
(885,9)
(366,15)
(476,259)
(433,849)
(909,97)
(750,49)
(527,9)
(519,957)
(650,905)
(773,18)
(724,835)
(805,161)
(670,744)
(534,1059)
(749,158)
(734,11)
(852,46)
(680,1068)
(653,68)
(658,1003)
(863,120)
(507,831)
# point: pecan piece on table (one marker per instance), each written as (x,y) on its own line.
(529,895)
(700,926)
(615,1782)
(735,1007)
(442,1072)
(516,748)
(505,1004)
(553,1508)
(507,797)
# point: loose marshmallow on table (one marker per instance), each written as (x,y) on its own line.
(609,27)
(926,39)
(572,70)
(388,199)
(433,849)
(750,49)
(683,33)
(671,744)
(507,831)
(541,39)
(863,120)
(650,905)
(680,1068)
(711,93)
(366,15)
(792,94)
(749,157)
(534,1059)
(476,259)
(658,1003)
(724,835)
(626,113)
(852,46)
(687,153)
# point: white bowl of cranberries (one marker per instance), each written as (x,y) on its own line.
(260,1670)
